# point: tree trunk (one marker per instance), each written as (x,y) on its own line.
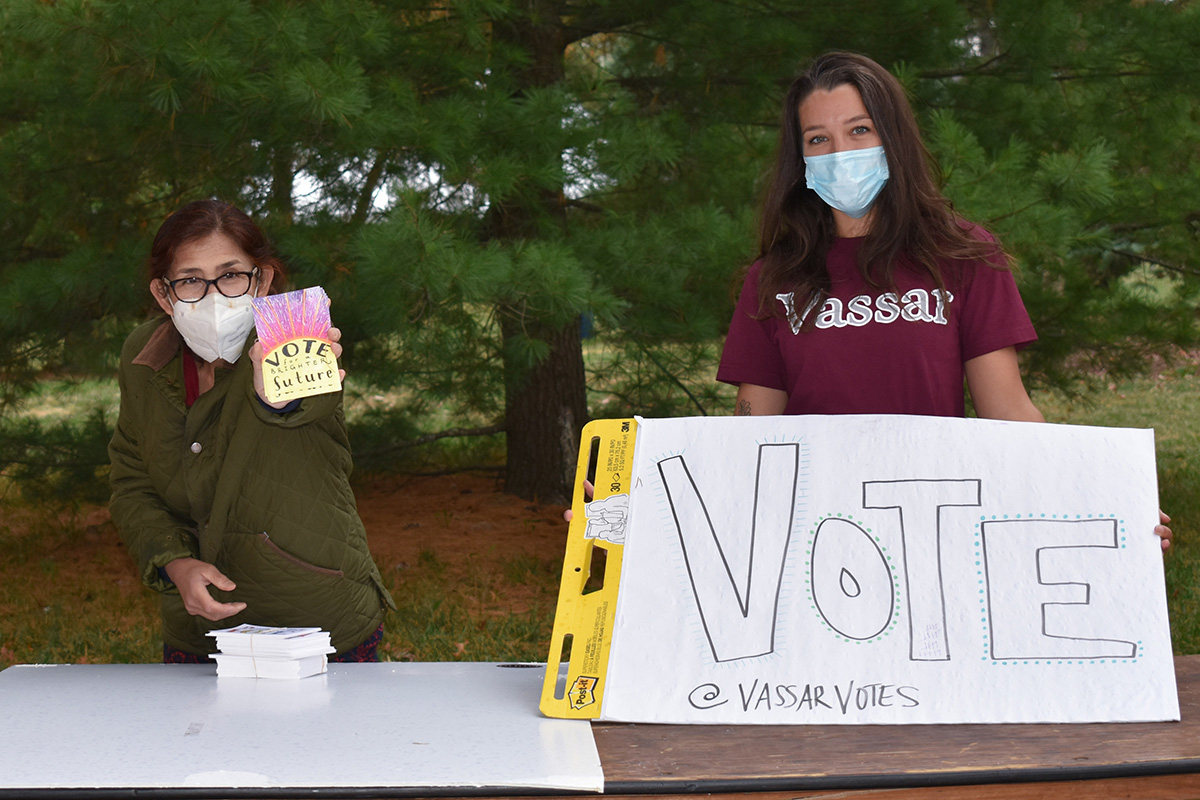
(280,204)
(546,406)
(545,409)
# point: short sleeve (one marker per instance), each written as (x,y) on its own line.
(992,314)
(751,353)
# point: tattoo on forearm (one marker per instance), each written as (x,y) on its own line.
(743,409)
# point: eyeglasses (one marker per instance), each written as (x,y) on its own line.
(193,290)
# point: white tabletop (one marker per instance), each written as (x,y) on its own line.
(388,725)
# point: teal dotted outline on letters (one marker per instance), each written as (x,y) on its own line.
(813,601)
(983,619)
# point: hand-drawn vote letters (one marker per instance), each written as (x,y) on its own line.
(865,569)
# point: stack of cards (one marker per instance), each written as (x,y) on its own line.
(254,651)
(298,359)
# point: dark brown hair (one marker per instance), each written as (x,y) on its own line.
(911,217)
(197,220)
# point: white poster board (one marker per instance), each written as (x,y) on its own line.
(868,569)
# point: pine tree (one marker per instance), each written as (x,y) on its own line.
(474,181)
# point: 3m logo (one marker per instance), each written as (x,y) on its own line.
(583,691)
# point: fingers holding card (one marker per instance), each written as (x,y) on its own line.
(299,352)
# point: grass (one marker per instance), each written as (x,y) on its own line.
(446,615)
(53,609)
(64,398)
(68,593)
(66,597)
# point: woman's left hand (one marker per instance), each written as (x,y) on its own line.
(588,492)
(256,358)
(1162,530)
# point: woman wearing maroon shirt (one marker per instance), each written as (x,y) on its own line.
(870,295)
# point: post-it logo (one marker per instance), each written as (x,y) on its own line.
(583,691)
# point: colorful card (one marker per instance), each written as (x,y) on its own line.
(298,358)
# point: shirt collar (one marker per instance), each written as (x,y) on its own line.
(164,344)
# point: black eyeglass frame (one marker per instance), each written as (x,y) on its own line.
(250,276)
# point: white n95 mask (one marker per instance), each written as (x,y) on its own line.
(848,180)
(216,326)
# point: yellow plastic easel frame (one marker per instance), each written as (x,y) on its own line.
(585,618)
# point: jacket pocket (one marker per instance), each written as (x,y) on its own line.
(269,543)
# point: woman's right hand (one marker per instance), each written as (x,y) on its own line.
(256,359)
(193,577)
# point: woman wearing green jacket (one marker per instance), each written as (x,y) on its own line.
(235,510)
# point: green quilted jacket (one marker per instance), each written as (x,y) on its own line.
(265,497)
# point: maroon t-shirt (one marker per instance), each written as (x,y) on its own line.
(877,351)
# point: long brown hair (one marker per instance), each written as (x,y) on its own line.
(197,220)
(911,217)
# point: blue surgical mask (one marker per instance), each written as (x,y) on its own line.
(848,180)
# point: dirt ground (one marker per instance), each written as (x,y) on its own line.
(462,519)
(465,521)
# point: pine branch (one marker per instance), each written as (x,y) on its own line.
(983,68)
(433,437)
(673,378)
(591,20)
(1014,212)
(1060,76)
(1156,262)
(585,205)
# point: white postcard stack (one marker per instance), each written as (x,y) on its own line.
(255,651)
